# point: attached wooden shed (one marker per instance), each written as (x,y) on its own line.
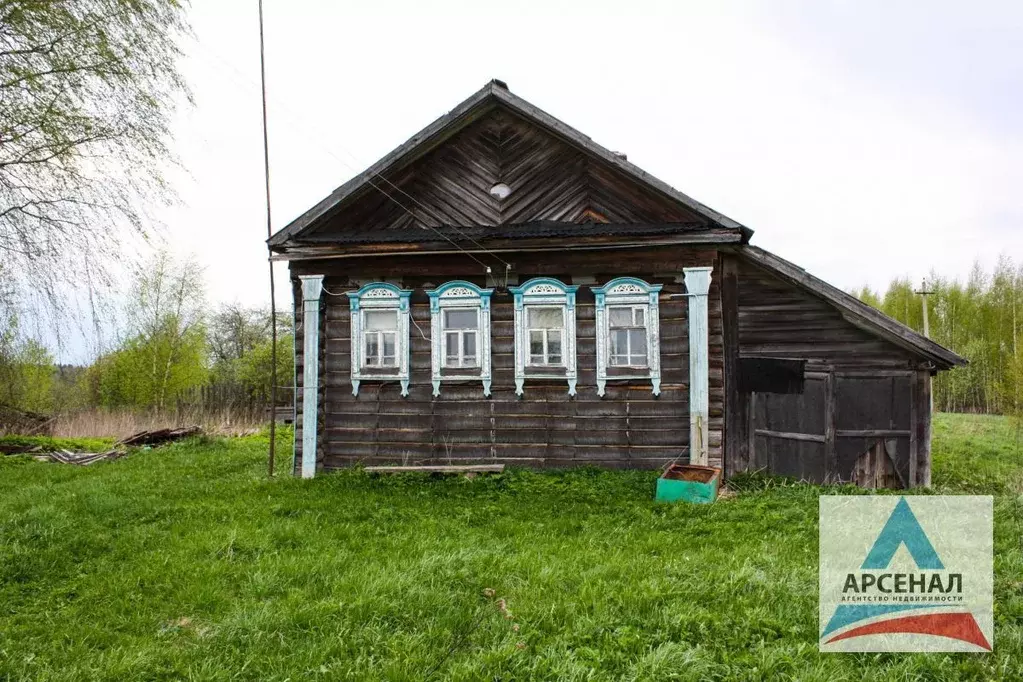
(501,289)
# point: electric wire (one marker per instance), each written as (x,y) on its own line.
(300,127)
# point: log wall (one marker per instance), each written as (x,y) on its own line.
(628,427)
(778,319)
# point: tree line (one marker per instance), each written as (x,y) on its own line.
(171,346)
(981,319)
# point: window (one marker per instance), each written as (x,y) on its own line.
(544,332)
(546,327)
(380,338)
(460,334)
(461,327)
(379,346)
(628,335)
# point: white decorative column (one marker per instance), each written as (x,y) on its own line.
(312,287)
(697,287)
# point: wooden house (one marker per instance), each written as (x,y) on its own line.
(502,289)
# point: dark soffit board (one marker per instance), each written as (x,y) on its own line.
(536,229)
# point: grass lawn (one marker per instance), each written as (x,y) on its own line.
(185,562)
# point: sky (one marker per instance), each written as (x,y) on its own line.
(860,140)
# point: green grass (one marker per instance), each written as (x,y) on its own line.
(185,562)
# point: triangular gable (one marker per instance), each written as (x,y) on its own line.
(443,176)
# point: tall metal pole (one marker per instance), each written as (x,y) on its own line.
(269,233)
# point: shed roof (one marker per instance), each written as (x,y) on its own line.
(857,312)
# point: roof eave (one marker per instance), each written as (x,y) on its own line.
(332,251)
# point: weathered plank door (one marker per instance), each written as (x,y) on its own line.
(790,431)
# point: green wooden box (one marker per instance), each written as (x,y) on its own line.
(688,482)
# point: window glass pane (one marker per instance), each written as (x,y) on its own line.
(469,348)
(554,348)
(381,319)
(637,349)
(545,318)
(640,316)
(372,349)
(620,317)
(619,347)
(389,347)
(451,347)
(460,319)
(536,346)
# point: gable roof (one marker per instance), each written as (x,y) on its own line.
(493,94)
(854,310)
(717,228)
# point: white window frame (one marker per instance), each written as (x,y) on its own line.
(459,295)
(459,333)
(544,292)
(633,293)
(562,332)
(632,308)
(380,336)
(381,296)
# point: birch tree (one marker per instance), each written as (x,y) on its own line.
(982,320)
(87,91)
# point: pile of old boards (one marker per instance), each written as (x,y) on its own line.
(120,449)
(160,436)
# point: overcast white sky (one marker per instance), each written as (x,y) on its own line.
(861,140)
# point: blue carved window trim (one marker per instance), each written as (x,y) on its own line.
(544,292)
(459,295)
(380,296)
(628,292)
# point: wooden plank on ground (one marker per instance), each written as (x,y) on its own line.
(440,469)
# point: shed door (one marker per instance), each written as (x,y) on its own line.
(872,420)
(788,431)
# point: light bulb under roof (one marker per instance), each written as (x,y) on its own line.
(500,191)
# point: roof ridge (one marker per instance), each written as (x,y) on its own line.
(494,92)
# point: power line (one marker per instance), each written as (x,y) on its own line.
(299,126)
(295,119)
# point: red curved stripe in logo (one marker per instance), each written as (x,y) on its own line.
(960,626)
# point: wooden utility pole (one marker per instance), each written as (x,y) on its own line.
(924,293)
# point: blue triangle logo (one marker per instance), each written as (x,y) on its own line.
(902,528)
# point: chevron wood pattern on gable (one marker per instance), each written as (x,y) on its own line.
(549,180)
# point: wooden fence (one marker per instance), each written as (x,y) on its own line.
(237,399)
